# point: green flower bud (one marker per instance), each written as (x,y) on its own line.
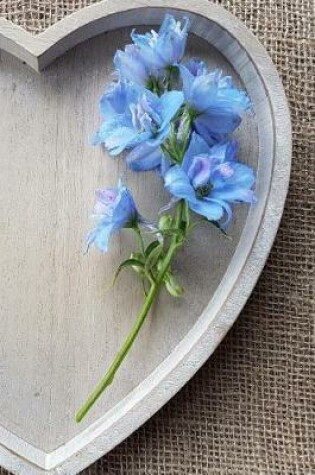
(172,286)
(165,222)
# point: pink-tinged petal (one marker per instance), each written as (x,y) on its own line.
(197,146)
(107,195)
(225,170)
(200,171)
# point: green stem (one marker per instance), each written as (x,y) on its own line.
(140,239)
(122,353)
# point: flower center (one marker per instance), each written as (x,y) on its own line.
(204,190)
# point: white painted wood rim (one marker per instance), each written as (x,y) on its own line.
(38,52)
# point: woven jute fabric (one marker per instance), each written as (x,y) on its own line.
(250,410)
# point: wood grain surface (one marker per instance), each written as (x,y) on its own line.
(62,327)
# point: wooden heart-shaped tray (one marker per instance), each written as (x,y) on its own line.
(59,328)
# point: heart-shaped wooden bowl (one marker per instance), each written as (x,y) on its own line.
(59,328)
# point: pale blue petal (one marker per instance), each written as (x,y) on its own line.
(210,210)
(196,67)
(100,237)
(144,157)
(243,177)
(153,61)
(165,49)
(117,98)
(177,183)
(226,208)
(188,81)
(202,92)
(235,194)
(141,39)
(217,121)
(159,138)
(230,96)
(224,152)
(201,127)
(106,129)
(169,23)
(119,139)
(169,104)
(125,211)
(130,66)
(197,146)
(165,166)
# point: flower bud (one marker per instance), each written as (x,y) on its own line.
(165,222)
(173,287)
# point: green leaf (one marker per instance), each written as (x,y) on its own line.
(135,264)
(138,256)
(151,248)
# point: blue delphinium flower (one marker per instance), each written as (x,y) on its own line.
(153,52)
(210,179)
(114,209)
(216,104)
(135,118)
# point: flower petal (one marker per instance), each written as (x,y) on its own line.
(118,139)
(144,157)
(130,65)
(169,104)
(197,146)
(117,98)
(215,123)
(210,210)
(100,237)
(188,82)
(243,177)
(196,67)
(177,183)
(200,171)
(235,194)
(125,212)
(202,128)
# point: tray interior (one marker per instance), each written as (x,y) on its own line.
(61,327)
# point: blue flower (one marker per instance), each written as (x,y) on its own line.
(153,52)
(210,179)
(135,118)
(216,104)
(114,209)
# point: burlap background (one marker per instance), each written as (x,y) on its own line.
(250,409)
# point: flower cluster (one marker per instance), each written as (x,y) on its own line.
(175,117)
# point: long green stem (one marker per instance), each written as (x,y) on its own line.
(120,356)
(139,238)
